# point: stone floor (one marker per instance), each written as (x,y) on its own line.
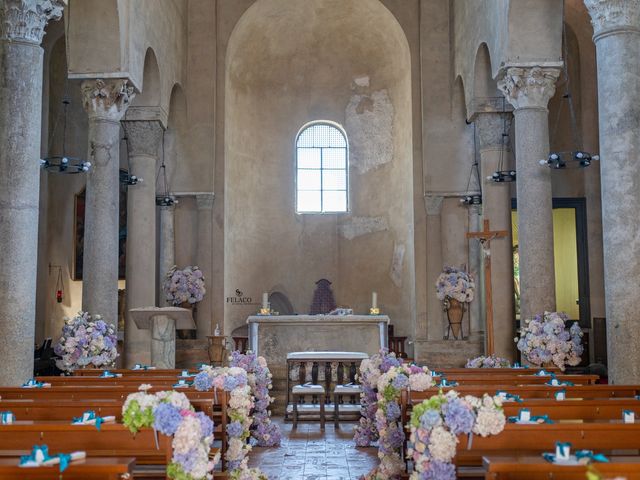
(308,453)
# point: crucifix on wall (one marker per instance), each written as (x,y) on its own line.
(485,237)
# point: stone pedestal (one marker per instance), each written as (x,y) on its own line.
(529,89)
(21,29)
(162,322)
(496,207)
(144,141)
(105,102)
(617,38)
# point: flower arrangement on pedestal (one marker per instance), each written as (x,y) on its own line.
(86,341)
(455,287)
(235,381)
(435,425)
(263,432)
(184,286)
(545,339)
(171,413)
(490,361)
(394,378)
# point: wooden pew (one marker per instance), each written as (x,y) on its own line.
(573,409)
(505,381)
(536,439)
(167,381)
(496,371)
(161,372)
(521,467)
(91,468)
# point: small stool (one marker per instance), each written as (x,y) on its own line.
(338,392)
(301,391)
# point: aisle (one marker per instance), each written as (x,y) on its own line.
(310,454)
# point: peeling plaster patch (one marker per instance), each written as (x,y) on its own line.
(358,226)
(369,123)
(396,265)
(361,81)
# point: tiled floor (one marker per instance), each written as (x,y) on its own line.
(310,454)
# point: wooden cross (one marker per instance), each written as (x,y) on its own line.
(485,237)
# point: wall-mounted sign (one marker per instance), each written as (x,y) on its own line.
(240,299)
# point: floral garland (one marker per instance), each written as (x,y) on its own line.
(455,283)
(491,361)
(365,433)
(546,338)
(235,381)
(390,384)
(264,433)
(86,341)
(435,426)
(171,413)
(184,286)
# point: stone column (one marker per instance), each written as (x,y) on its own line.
(105,102)
(166,248)
(22,24)
(529,90)
(144,140)
(435,321)
(616,27)
(205,262)
(496,207)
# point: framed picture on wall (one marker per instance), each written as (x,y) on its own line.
(78,234)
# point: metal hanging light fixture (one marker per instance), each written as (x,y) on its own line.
(164,199)
(501,175)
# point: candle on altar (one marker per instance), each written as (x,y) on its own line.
(374,300)
(265,300)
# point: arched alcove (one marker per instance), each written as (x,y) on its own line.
(484,86)
(175,142)
(151,85)
(349,64)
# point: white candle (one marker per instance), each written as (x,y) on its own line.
(374,300)
(265,300)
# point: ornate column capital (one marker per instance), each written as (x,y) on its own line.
(529,86)
(493,129)
(204,201)
(609,16)
(144,137)
(24,20)
(433,204)
(106,99)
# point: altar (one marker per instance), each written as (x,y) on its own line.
(274,336)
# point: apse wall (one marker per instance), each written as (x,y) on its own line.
(349,64)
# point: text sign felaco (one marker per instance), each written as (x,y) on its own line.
(240,299)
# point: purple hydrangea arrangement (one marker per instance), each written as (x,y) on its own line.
(455,283)
(489,361)
(184,286)
(263,432)
(86,341)
(435,425)
(545,339)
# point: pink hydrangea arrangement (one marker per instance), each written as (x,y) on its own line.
(546,339)
(86,341)
(241,402)
(263,432)
(184,286)
(455,283)
(490,361)
(393,378)
(435,425)
(171,413)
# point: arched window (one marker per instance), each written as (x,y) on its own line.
(322,166)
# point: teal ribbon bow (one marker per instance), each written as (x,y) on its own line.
(182,384)
(534,418)
(597,457)
(508,396)
(516,365)
(139,366)
(40,454)
(32,383)
(89,415)
(559,383)
(543,373)
(201,365)
(7,417)
(445,383)
(108,374)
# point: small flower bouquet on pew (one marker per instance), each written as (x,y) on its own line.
(86,341)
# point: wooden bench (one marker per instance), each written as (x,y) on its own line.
(506,380)
(573,409)
(518,467)
(91,468)
(161,372)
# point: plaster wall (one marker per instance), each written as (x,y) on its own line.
(267,243)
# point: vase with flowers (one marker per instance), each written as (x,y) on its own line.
(455,288)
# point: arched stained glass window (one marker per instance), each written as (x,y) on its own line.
(322,166)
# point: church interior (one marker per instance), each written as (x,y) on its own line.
(319,239)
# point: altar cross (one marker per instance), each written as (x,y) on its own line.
(485,237)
